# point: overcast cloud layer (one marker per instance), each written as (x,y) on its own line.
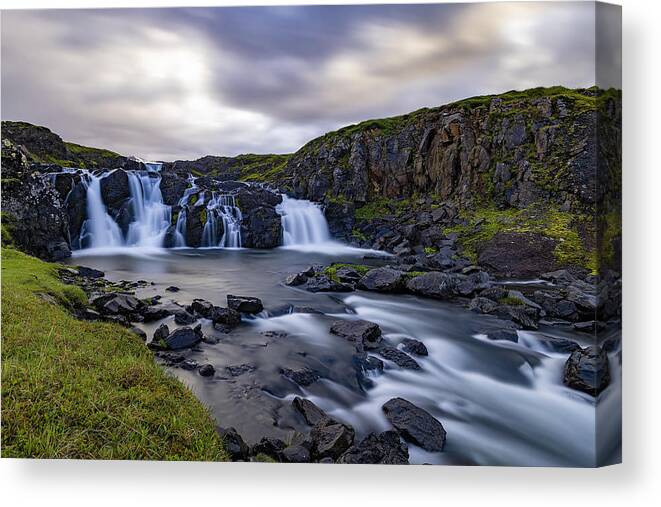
(181,83)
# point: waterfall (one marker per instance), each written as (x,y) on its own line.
(303,222)
(222,211)
(99,230)
(151,218)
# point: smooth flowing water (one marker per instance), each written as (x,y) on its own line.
(502,403)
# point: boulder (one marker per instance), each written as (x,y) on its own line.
(161,333)
(382,280)
(481,304)
(518,255)
(312,414)
(207,370)
(90,272)
(330,439)
(413,346)
(377,449)
(473,283)
(435,285)
(362,332)
(271,447)
(295,454)
(183,338)
(182,317)
(321,283)
(415,424)
(302,376)
(244,304)
(347,274)
(398,357)
(139,332)
(261,227)
(587,370)
(236,370)
(153,313)
(113,304)
(201,307)
(115,189)
(296,279)
(234,444)
(224,316)
(505,334)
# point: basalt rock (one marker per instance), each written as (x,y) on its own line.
(587,370)
(377,449)
(362,332)
(244,304)
(413,346)
(398,357)
(415,424)
(234,444)
(382,280)
(183,338)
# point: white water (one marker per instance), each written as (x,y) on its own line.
(222,208)
(99,230)
(151,218)
(303,223)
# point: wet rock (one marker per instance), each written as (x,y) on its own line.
(244,304)
(207,370)
(473,283)
(435,285)
(261,227)
(161,333)
(234,444)
(591,326)
(296,279)
(330,439)
(398,357)
(153,313)
(587,370)
(115,189)
(201,307)
(362,332)
(312,414)
(365,363)
(183,338)
(90,272)
(295,454)
(182,317)
(377,449)
(527,318)
(413,346)
(415,424)
(347,274)
(506,334)
(122,304)
(561,345)
(482,305)
(302,376)
(271,447)
(225,316)
(321,283)
(172,288)
(382,280)
(237,370)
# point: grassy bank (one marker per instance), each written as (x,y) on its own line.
(76,389)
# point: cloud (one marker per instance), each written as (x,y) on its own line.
(181,83)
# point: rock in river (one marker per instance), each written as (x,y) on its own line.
(401,359)
(244,304)
(415,424)
(112,304)
(384,448)
(382,280)
(363,332)
(330,439)
(183,338)
(413,346)
(234,444)
(587,370)
(311,413)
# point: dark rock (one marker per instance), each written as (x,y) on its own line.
(518,255)
(153,313)
(296,279)
(382,280)
(561,345)
(271,447)
(312,414)
(234,444)
(182,317)
(365,363)
(207,370)
(161,333)
(112,304)
(225,316)
(239,369)
(172,288)
(183,338)
(244,304)
(384,448)
(413,346)
(331,439)
(434,284)
(347,274)
(90,272)
(172,187)
(415,424)
(587,370)
(473,283)
(591,326)
(482,305)
(321,283)
(506,334)
(295,454)
(398,357)
(527,318)
(261,227)
(115,189)
(362,332)
(201,307)
(302,376)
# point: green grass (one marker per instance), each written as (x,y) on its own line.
(76,389)
(483,224)
(510,300)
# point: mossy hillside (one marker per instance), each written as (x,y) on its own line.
(261,168)
(76,389)
(481,225)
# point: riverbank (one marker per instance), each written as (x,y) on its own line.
(90,390)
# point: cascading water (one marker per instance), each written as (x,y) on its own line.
(99,230)
(222,208)
(151,218)
(303,222)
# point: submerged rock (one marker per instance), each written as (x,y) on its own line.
(415,424)
(207,370)
(413,346)
(398,357)
(302,376)
(362,332)
(311,413)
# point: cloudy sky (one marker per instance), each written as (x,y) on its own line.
(181,83)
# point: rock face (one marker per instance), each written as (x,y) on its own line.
(415,424)
(587,370)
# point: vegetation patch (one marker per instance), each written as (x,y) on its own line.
(89,390)
(481,225)
(331,271)
(511,301)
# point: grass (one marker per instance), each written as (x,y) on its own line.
(483,224)
(77,389)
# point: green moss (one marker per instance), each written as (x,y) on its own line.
(203,216)
(413,274)
(430,250)
(175,217)
(89,390)
(261,168)
(511,301)
(193,199)
(331,271)
(264,458)
(483,224)
(358,235)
